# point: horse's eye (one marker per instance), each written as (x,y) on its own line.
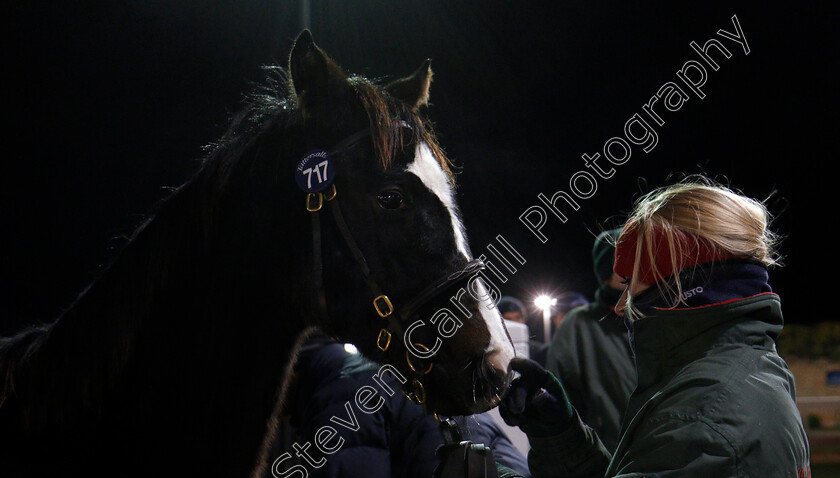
(390,199)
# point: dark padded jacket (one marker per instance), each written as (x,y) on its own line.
(399,440)
(713,399)
(590,353)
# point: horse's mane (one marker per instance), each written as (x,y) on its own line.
(271,106)
(14,350)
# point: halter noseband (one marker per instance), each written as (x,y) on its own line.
(381,302)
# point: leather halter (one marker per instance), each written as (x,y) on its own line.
(382,304)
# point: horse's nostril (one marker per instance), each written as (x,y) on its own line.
(500,358)
(495,381)
(498,378)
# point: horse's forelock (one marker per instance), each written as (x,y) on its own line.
(386,115)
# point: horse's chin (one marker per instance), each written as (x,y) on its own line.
(485,405)
(489,405)
(481,397)
(452,408)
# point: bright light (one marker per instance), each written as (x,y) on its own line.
(350,349)
(545,302)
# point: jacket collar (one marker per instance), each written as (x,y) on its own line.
(671,338)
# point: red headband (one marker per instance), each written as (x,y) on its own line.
(690,251)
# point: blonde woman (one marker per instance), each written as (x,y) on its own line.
(713,397)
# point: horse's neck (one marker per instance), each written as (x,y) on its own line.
(165,332)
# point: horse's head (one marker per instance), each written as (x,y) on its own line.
(382,254)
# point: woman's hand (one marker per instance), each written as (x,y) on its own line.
(536,401)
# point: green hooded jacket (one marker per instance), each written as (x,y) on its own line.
(713,399)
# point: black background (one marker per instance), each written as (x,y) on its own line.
(107,103)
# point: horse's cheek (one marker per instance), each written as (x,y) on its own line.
(449,326)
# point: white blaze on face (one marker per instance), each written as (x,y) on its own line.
(500,349)
(426,167)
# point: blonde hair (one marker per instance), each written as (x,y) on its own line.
(729,223)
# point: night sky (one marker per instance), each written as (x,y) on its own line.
(109,103)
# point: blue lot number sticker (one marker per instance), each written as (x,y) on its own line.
(314,172)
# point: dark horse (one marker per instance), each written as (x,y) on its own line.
(171,362)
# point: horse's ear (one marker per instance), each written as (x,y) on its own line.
(315,77)
(413,89)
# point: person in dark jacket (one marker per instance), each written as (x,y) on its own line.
(566,302)
(563,304)
(397,440)
(713,397)
(514,310)
(590,350)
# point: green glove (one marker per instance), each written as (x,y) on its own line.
(536,401)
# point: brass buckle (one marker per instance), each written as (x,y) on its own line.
(383,306)
(419,392)
(411,365)
(330,193)
(387,338)
(311,205)
(418,395)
